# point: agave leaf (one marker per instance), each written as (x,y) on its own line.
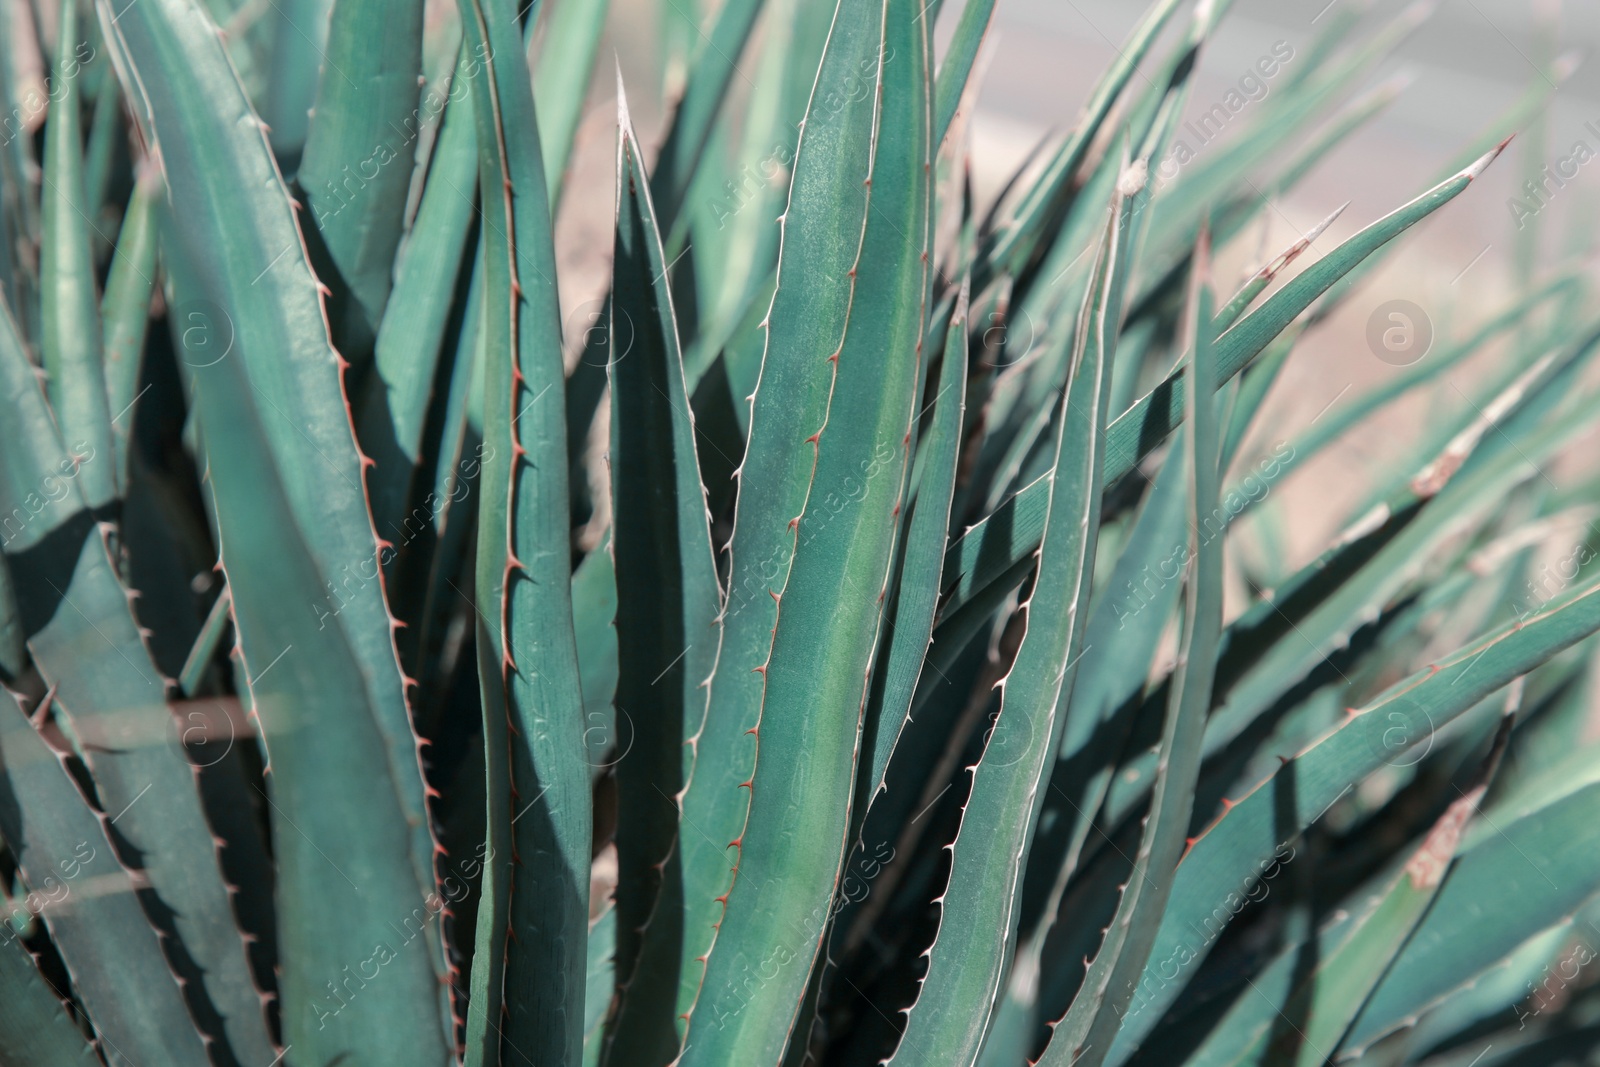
(668,601)
(326,750)
(711,72)
(957,66)
(73,357)
(533,920)
(296,36)
(1520,878)
(1084,1035)
(571,37)
(1038,216)
(910,626)
(34,1025)
(990,547)
(811,303)
(966,964)
(820,495)
(19,209)
(1321,631)
(125,311)
(1348,415)
(411,336)
(114,699)
(1283,115)
(259,317)
(256,300)
(1328,999)
(356,170)
(87,900)
(599,983)
(1236,853)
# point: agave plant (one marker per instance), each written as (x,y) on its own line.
(859,640)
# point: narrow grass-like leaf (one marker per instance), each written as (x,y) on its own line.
(715,63)
(125,311)
(1237,851)
(533,921)
(1084,1035)
(1178,216)
(73,357)
(1520,878)
(411,337)
(205,644)
(911,629)
(1347,416)
(991,546)
(1328,998)
(668,601)
(571,37)
(958,61)
(356,170)
(967,963)
(1039,214)
(820,497)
